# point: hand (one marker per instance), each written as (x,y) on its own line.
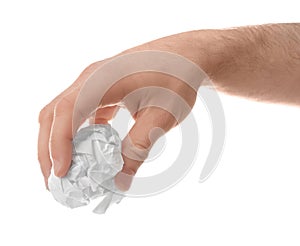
(146,95)
(248,61)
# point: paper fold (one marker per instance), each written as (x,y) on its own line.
(96,160)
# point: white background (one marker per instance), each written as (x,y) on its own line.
(251,199)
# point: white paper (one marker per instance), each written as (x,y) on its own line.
(96,160)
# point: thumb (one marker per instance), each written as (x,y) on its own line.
(150,125)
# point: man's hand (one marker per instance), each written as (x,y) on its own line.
(151,99)
(260,62)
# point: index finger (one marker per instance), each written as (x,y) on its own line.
(46,117)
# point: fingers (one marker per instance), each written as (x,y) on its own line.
(57,130)
(45,119)
(65,124)
(150,124)
(61,135)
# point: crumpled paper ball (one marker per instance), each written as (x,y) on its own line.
(96,160)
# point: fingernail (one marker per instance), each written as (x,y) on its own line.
(57,168)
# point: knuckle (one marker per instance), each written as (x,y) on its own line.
(62,106)
(94,65)
(142,145)
(45,113)
(165,120)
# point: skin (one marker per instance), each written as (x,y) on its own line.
(258,62)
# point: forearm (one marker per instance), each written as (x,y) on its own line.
(260,62)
